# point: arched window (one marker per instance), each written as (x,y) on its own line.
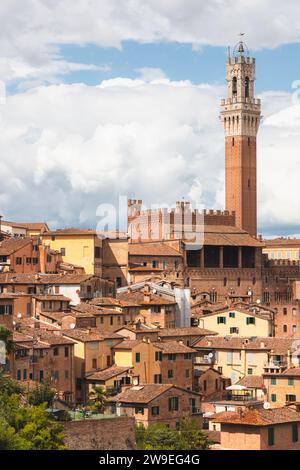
(247,87)
(234,86)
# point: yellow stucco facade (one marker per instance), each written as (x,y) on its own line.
(283,252)
(236,322)
(79,249)
(235,364)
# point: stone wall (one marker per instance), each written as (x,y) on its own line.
(101,434)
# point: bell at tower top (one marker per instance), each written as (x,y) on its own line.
(241,49)
(240,105)
(240,54)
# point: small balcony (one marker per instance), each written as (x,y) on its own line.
(275,366)
(204,360)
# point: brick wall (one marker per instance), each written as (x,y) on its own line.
(103,434)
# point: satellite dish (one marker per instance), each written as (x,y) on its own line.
(258,301)
(154,291)
(267,405)
(19,315)
(210,355)
(72,326)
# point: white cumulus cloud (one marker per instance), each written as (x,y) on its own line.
(67,148)
(32,31)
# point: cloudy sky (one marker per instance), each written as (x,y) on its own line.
(110,97)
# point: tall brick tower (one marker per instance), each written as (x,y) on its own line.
(240,113)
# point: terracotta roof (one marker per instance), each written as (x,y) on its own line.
(27,225)
(152,249)
(11,245)
(282,242)
(144,394)
(185,331)
(44,279)
(94,310)
(138,298)
(50,338)
(83,335)
(12,224)
(259,417)
(173,347)
(111,335)
(291,372)
(226,235)
(57,297)
(278,345)
(111,301)
(21,337)
(142,328)
(252,381)
(141,393)
(128,344)
(108,373)
(42,338)
(57,316)
(70,231)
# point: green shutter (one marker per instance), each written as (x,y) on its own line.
(271,436)
(295,432)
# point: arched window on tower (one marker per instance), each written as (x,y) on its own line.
(247,87)
(234,86)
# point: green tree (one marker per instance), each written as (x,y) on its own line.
(9,386)
(24,426)
(35,426)
(9,440)
(97,398)
(160,437)
(192,437)
(42,393)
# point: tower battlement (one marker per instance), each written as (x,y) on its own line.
(164,223)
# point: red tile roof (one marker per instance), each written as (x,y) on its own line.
(44,279)
(225,235)
(141,393)
(83,335)
(282,242)
(258,417)
(252,381)
(173,347)
(277,345)
(106,374)
(53,297)
(70,231)
(152,249)
(138,297)
(111,301)
(184,331)
(144,394)
(11,245)
(128,344)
